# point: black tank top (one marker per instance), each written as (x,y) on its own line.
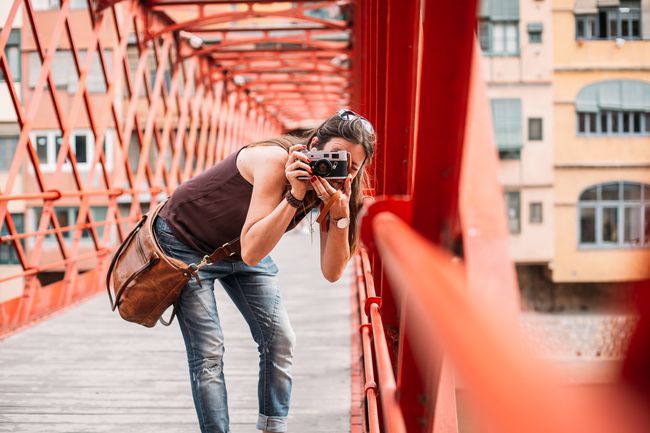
(210,209)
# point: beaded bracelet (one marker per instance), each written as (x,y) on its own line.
(292,200)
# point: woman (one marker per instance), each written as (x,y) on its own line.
(257,194)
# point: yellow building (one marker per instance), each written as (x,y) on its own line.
(601,140)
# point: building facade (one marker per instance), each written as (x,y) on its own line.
(601,103)
(9,132)
(516,45)
(569,87)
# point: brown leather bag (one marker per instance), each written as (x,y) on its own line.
(145,280)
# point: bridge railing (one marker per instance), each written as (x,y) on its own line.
(98,110)
(438,297)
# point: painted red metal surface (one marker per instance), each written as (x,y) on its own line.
(157,84)
(189,81)
(468,326)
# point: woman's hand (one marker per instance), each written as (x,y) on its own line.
(325,191)
(298,166)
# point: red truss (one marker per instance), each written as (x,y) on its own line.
(183,83)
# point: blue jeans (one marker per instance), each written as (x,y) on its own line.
(255,292)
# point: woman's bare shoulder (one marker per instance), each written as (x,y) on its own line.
(263,153)
(252,159)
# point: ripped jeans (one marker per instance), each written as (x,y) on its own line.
(255,292)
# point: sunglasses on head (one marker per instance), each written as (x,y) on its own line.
(346,114)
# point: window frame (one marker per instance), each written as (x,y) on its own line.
(598,204)
(541,128)
(516,231)
(587,19)
(13,43)
(535,33)
(11,150)
(490,24)
(618,15)
(72,215)
(531,205)
(623,117)
(52,134)
(18,219)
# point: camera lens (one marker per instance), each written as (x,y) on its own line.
(322,167)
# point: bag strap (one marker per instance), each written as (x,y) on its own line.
(226,250)
(117,255)
(171,318)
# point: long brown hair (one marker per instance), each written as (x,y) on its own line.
(354,129)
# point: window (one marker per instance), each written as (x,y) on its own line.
(78,4)
(506,120)
(536,216)
(7,151)
(535,129)
(614,107)
(82,143)
(513,208)
(586,27)
(167,79)
(43,5)
(535,33)
(67,216)
(8,255)
(595,21)
(64,73)
(99,214)
(12,53)
(80,147)
(607,123)
(498,28)
(615,214)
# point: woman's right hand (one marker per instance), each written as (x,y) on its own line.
(298,166)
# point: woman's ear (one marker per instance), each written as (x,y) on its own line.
(313,142)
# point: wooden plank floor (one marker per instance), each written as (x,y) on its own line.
(86,370)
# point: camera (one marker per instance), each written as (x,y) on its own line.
(329,165)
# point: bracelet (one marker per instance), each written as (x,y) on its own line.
(292,200)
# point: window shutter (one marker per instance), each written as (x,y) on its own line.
(484,9)
(635,95)
(499,10)
(628,95)
(608,3)
(505,10)
(585,7)
(609,95)
(587,100)
(506,116)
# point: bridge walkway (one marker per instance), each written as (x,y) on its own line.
(86,370)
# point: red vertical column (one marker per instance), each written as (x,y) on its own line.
(395,148)
(443,89)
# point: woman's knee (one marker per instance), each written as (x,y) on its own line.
(284,340)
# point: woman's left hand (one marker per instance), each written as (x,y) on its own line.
(325,191)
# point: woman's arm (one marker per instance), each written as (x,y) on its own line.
(334,244)
(269,214)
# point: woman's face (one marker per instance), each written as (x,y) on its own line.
(357,152)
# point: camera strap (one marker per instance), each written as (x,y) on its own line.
(327,207)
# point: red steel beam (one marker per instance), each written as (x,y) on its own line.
(201,111)
(464,322)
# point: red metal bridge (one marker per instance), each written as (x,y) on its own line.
(118,102)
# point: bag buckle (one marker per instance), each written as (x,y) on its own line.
(205,261)
(227,248)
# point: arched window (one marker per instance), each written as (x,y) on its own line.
(614,107)
(615,214)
